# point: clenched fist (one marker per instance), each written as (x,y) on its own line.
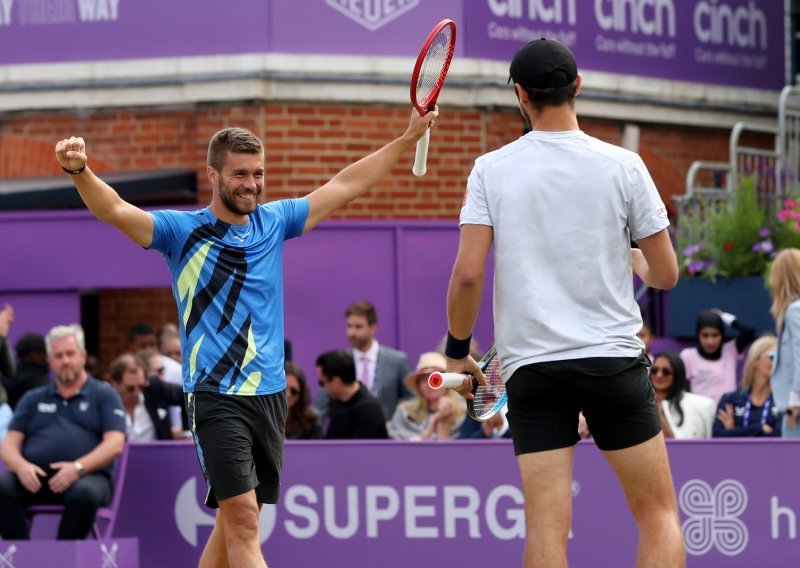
(71,153)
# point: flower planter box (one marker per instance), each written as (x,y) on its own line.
(744,296)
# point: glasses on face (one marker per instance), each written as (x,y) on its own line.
(158,371)
(133,388)
(770,354)
(292,391)
(666,371)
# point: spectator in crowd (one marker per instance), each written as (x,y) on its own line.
(93,367)
(146,399)
(648,337)
(169,343)
(711,363)
(354,412)
(784,281)
(61,444)
(6,414)
(682,414)
(144,340)
(430,414)
(142,336)
(379,368)
(301,422)
(7,367)
(156,366)
(751,411)
(32,368)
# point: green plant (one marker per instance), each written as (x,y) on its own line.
(738,236)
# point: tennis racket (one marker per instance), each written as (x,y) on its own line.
(489,399)
(430,70)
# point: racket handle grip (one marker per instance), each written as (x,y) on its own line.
(439,380)
(421,157)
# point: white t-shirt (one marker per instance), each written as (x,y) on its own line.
(563,207)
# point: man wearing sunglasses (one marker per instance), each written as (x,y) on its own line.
(146,400)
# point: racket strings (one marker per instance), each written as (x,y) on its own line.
(436,59)
(487,397)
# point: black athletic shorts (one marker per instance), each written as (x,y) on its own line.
(615,395)
(239,441)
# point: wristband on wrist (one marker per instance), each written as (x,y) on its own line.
(457,348)
(75,172)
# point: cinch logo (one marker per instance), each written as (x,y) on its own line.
(646,17)
(713,517)
(373,14)
(742,26)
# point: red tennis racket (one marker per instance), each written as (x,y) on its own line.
(430,70)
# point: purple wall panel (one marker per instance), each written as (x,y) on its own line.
(38,312)
(403,267)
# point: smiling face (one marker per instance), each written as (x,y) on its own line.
(662,375)
(237,186)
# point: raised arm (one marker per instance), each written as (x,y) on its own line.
(100,198)
(356,179)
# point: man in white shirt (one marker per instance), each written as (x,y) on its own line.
(560,208)
(379,368)
(147,401)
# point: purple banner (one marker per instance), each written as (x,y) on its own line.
(49,31)
(389,504)
(731,42)
(728,42)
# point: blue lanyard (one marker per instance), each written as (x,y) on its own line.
(764,411)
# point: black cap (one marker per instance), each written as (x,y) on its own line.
(30,343)
(543,64)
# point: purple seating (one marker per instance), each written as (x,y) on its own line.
(105,515)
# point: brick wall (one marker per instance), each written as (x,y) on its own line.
(305,145)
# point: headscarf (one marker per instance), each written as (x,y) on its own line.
(709,318)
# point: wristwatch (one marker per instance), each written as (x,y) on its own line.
(80,468)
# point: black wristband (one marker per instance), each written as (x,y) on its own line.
(457,348)
(75,172)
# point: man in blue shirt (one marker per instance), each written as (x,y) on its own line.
(226,264)
(61,444)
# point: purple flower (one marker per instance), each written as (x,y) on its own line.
(692,249)
(698,266)
(767,247)
(764,233)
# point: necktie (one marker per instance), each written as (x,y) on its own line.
(365,378)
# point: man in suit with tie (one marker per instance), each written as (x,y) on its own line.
(379,368)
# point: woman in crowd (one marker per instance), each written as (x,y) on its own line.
(431,414)
(301,421)
(784,280)
(683,414)
(711,363)
(751,410)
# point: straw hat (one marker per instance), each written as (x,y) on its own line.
(428,363)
